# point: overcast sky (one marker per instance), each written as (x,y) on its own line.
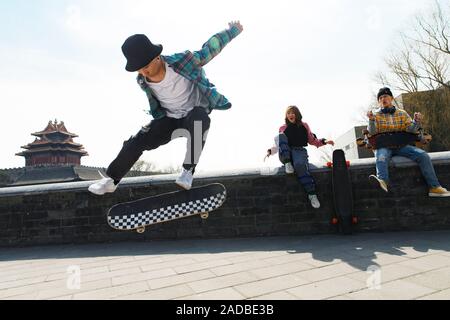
(62,59)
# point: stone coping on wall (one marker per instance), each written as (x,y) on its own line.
(436,157)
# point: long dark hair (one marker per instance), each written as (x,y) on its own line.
(298,115)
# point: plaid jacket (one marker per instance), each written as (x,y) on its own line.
(397,122)
(190,65)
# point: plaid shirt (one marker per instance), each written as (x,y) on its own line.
(397,122)
(190,65)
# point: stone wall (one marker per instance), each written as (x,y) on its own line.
(261,202)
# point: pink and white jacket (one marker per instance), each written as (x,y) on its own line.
(312,139)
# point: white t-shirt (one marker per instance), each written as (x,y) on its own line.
(177,95)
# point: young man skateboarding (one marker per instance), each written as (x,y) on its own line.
(391,119)
(180,98)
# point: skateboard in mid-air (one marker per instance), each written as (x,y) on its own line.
(138,214)
(344,215)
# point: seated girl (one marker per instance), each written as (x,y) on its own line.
(291,144)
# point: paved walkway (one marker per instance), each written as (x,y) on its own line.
(367,266)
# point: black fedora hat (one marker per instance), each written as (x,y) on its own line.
(139,51)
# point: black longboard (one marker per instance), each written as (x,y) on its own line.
(342,193)
(138,214)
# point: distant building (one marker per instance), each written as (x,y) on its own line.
(422,100)
(435,107)
(53,157)
(54,146)
(347,142)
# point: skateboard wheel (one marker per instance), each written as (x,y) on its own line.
(348,163)
(334,221)
(355,220)
(329,164)
(204,216)
(140,230)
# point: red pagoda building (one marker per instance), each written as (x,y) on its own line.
(54,146)
(53,157)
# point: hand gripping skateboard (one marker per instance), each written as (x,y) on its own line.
(393,140)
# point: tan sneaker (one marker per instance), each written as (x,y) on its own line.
(382,183)
(439,192)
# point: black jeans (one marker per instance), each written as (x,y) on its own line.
(160,132)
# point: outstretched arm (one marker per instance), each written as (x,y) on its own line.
(216,43)
(312,138)
(413,125)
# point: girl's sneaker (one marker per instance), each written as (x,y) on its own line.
(314,201)
(289,168)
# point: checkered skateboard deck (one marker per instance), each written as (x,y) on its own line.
(138,214)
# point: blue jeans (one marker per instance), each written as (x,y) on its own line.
(384,155)
(299,159)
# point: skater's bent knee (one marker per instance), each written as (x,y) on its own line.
(424,157)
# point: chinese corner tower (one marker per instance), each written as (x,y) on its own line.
(54,146)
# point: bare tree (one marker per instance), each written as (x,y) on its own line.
(142,166)
(360,118)
(171,168)
(421,58)
(434,31)
(419,65)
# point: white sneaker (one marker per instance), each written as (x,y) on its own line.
(105,185)
(185,180)
(289,168)
(314,201)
